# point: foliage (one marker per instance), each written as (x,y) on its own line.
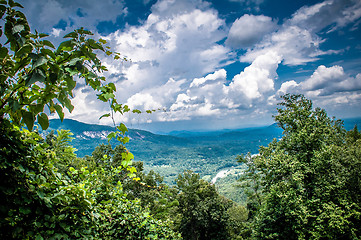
(203,213)
(37,78)
(159,198)
(46,192)
(40,202)
(306,185)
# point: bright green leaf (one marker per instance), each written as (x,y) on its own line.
(122,128)
(112,86)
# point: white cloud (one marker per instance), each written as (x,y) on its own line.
(323,78)
(177,46)
(328,81)
(287,87)
(210,96)
(143,100)
(325,84)
(249,29)
(295,45)
(258,77)
(217,75)
(297,40)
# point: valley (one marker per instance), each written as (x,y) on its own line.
(206,153)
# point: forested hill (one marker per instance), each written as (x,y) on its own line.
(206,153)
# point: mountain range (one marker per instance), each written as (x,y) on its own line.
(206,153)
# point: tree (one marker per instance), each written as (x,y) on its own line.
(203,213)
(308,178)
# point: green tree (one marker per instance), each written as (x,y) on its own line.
(308,178)
(203,212)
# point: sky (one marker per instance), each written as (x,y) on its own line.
(216,64)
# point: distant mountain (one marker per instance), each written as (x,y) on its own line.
(93,131)
(203,152)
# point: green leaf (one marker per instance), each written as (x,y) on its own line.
(14,104)
(107,96)
(111,136)
(43,121)
(60,112)
(74,61)
(125,140)
(68,104)
(66,46)
(122,128)
(39,237)
(42,35)
(92,43)
(112,86)
(71,83)
(105,115)
(48,52)
(27,48)
(42,60)
(25,210)
(29,119)
(71,35)
(137,111)
(36,108)
(14,4)
(36,76)
(48,43)
(3,52)
(102,41)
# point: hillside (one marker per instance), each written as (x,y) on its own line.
(206,153)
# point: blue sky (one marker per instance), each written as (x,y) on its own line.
(215,64)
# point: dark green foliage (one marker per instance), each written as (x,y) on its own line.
(306,185)
(203,213)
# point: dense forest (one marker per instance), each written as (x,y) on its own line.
(305,185)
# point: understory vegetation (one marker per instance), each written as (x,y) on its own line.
(305,185)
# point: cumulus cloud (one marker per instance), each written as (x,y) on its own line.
(249,29)
(177,46)
(211,95)
(327,81)
(297,40)
(258,78)
(323,83)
